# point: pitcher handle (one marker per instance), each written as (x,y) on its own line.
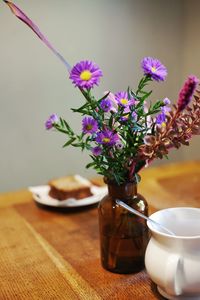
(172,280)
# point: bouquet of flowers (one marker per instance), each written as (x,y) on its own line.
(124,132)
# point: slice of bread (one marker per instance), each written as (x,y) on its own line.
(73,186)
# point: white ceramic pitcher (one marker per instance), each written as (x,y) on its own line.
(173,262)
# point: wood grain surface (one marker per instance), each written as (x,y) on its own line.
(48,254)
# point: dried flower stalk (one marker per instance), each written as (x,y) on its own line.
(179,128)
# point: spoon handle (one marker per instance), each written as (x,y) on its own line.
(134,211)
(124,205)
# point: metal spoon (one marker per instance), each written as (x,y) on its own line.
(134,211)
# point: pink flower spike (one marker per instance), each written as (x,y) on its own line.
(187,92)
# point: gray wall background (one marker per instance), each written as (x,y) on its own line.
(33,83)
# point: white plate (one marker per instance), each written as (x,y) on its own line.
(41,195)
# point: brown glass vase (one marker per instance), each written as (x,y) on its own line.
(123,235)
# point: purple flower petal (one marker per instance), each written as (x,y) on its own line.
(160,119)
(85,74)
(165,109)
(126,111)
(106,105)
(89,125)
(96,151)
(134,115)
(107,137)
(166,101)
(111,97)
(154,68)
(53,119)
(123,100)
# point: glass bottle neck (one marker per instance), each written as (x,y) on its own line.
(123,191)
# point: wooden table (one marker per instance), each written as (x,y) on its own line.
(55,255)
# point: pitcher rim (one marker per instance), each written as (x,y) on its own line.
(186,237)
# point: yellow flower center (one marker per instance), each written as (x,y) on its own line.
(163,124)
(89,127)
(153,69)
(124,101)
(86,75)
(106,140)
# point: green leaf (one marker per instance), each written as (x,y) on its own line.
(92,164)
(60,129)
(68,127)
(61,122)
(157,105)
(69,142)
(104,97)
(134,95)
(111,122)
(78,145)
(129,93)
(137,178)
(146,95)
(80,109)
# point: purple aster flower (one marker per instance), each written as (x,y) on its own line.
(106,105)
(96,151)
(126,112)
(89,125)
(166,101)
(122,99)
(160,119)
(187,92)
(107,137)
(53,119)
(85,74)
(165,109)
(153,68)
(111,97)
